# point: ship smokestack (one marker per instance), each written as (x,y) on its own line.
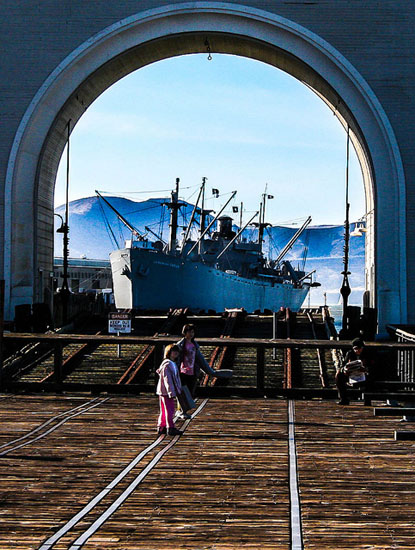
(225,227)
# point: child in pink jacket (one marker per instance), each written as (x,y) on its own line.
(168,387)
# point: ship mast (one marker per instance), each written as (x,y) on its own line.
(261,224)
(211,223)
(203,214)
(192,218)
(174,206)
(240,220)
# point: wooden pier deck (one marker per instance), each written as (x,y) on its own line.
(224,484)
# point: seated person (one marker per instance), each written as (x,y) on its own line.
(355,371)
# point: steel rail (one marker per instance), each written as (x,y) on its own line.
(47,422)
(51,541)
(296,535)
(41,436)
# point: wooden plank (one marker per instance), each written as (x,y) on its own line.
(356,482)
(224,485)
(206,492)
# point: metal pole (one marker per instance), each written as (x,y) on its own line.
(212,222)
(345,288)
(65,231)
(118,348)
(192,217)
(293,240)
(174,206)
(202,218)
(240,219)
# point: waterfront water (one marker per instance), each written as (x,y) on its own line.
(337,313)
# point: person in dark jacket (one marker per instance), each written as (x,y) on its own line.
(356,370)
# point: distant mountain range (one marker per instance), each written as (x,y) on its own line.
(94,231)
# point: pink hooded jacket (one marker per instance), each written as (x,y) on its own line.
(169,383)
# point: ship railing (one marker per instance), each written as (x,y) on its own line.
(255,377)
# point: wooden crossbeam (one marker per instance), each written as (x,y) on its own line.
(240,342)
(394,384)
(384,396)
(404,436)
(394,411)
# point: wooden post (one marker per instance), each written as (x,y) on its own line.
(288,368)
(260,369)
(118,348)
(288,375)
(57,363)
(274,332)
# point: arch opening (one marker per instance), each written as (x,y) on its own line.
(139,42)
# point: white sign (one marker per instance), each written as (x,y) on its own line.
(119,322)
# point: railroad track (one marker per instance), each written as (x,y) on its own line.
(283,448)
(307,368)
(49,426)
(113,506)
(84,523)
(35,363)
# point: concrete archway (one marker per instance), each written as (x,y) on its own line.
(177,30)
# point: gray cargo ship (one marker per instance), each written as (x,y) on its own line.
(218,270)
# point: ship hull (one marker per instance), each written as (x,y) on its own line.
(146,279)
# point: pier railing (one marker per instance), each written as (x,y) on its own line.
(257,380)
(405,357)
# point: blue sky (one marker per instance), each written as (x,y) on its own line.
(240,123)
